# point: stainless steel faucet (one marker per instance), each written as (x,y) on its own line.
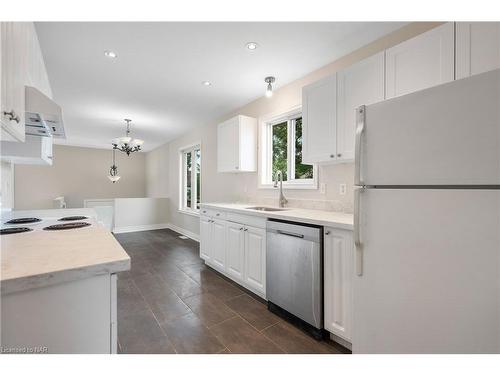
(279,176)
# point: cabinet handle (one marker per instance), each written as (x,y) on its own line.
(357,239)
(339,155)
(327,232)
(245,229)
(217,214)
(12,116)
(236,167)
(360,128)
(332,156)
(241,228)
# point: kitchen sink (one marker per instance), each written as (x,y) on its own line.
(265,208)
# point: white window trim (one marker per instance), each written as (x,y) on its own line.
(182,208)
(265,151)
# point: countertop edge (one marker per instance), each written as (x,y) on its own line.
(277,215)
(46,279)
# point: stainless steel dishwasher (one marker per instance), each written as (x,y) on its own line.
(294,273)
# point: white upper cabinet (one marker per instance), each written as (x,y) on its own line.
(421,62)
(319,115)
(338,279)
(21,65)
(14,36)
(477,47)
(359,84)
(237,145)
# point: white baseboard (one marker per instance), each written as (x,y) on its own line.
(140,228)
(184,232)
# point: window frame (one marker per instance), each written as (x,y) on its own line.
(266,154)
(183,152)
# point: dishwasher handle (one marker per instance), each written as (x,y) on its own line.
(279,231)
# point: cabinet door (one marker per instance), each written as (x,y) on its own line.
(13,79)
(477,47)
(255,259)
(218,245)
(228,146)
(36,72)
(319,106)
(360,84)
(205,237)
(235,250)
(421,62)
(338,277)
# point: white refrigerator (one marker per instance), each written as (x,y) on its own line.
(427,221)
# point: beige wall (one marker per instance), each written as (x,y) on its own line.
(163,162)
(78,173)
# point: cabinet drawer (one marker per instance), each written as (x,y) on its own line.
(258,222)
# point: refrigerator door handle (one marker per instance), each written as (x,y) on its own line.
(357,240)
(360,127)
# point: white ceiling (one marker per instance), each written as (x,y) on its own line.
(156,79)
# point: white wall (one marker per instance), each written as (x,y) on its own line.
(136,213)
(162,164)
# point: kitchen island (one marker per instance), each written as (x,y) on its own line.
(58,289)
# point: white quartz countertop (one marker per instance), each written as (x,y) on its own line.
(319,217)
(40,258)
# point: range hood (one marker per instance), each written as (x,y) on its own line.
(43,116)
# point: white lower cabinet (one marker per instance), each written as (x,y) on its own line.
(255,259)
(237,250)
(205,237)
(338,277)
(58,319)
(218,258)
(212,242)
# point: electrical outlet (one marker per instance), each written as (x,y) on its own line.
(342,189)
(322,188)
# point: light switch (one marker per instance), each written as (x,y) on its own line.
(342,189)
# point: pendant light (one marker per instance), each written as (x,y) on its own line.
(269,90)
(127,144)
(113,171)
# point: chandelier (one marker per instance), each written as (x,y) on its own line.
(127,144)
(113,171)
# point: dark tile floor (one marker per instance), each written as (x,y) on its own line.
(170,302)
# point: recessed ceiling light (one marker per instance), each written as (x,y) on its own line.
(110,54)
(206,83)
(252,45)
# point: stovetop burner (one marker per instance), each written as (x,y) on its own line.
(14,230)
(24,220)
(79,224)
(71,218)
